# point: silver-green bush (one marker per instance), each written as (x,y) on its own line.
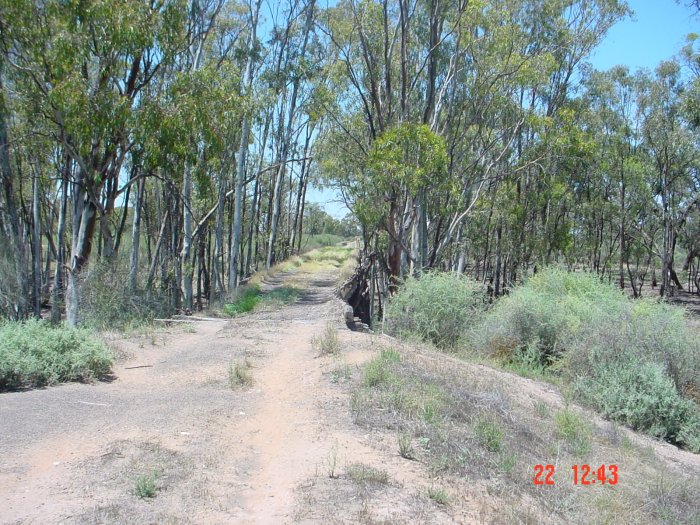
(542,318)
(436,307)
(33,353)
(632,360)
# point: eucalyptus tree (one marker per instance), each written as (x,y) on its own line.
(86,71)
(673,150)
(490,80)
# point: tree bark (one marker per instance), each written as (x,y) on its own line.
(136,237)
(57,291)
(242,154)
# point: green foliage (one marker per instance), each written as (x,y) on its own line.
(435,307)
(33,353)
(246,300)
(641,395)
(489,433)
(540,319)
(574,430)
(377,371)
(318,222)
(405,440)
(632,360)
(311,242)
(439,495)
(410,155)
(145,486)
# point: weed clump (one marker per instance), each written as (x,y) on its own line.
(145,485)
(438,495)
(490,434)
(435,307)
(327,343)
(574,430)
(33,353)
(239,374)
(361,473)
(377,371)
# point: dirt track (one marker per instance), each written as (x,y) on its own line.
(275,452)
(72,453)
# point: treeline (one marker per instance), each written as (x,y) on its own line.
(473,137)
(176,139)
(167,142)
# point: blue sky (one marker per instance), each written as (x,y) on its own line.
(655,32)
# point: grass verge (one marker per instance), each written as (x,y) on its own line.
(474,429)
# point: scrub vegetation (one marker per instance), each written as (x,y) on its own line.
(635,361)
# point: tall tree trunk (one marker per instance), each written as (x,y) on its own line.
(497,271)
(57,291)
(296,230)
(84,221)
(36,246)
(622,230)
(217,263)
(242,154)
(11,219)
(279,182)
(185,262)
(136,237)
(257,199)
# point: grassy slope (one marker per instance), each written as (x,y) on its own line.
(481,432)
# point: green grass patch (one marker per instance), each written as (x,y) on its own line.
(439,495)
(145,486)
(33,353)
(251,297)
(377,371)
(574,430)
(246,300)
(361,473)
(490,434)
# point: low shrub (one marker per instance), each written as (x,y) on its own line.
(641,395)
(435,307)
(33,353)
(539,320)
(631,360)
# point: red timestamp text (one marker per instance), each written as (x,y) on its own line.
(582,475)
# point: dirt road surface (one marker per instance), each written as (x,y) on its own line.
(171,422)
(75,453)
